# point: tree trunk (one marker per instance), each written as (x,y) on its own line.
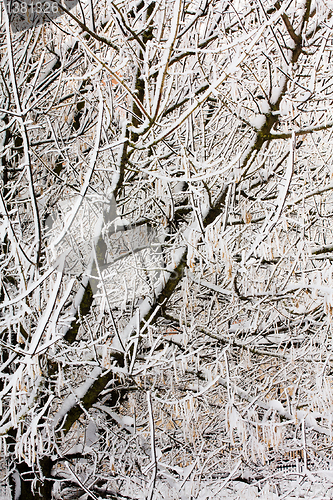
(21,479)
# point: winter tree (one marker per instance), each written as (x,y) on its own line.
(166,249)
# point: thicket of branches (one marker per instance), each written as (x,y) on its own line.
(166,247)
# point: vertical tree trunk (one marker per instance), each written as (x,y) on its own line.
(22,476)
(20,482)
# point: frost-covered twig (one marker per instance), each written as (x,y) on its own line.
(152,447)
(309,418)
(27,162)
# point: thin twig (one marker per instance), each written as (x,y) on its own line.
(152,446)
